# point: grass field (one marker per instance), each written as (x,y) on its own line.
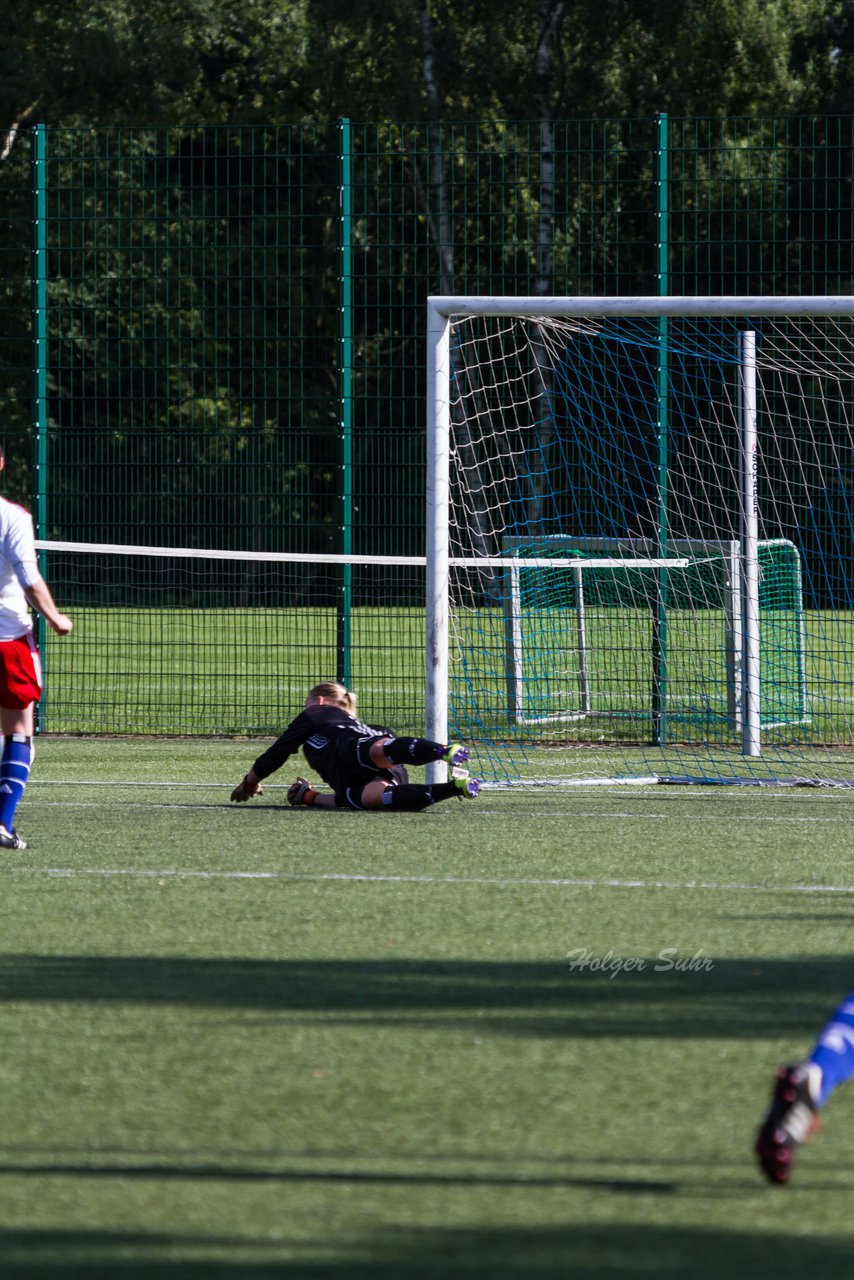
(257,1042)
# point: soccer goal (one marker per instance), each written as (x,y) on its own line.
(639,537)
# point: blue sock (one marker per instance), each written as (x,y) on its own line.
(14,771)
(834,1049)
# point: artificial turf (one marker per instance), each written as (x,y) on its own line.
(529,1036)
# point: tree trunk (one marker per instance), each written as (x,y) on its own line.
(551,14)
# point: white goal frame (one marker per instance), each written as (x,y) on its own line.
(441,311)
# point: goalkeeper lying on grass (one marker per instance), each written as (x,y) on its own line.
(365,766)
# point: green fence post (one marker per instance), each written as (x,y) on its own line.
(345,394)
(659,666)
(38,166)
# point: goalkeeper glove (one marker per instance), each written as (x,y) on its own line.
(301,792)
(245,790)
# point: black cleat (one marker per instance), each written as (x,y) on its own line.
(790,1120)
(11,839)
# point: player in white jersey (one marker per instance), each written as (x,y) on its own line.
(21,585)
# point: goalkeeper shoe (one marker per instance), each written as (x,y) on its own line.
(455,754)
(467,788)
(9,839)
(301,792)
(791,1118)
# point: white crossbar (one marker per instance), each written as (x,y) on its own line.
(306,557)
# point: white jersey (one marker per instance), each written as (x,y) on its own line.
(19,568)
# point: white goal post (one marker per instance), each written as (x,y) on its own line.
(462,412)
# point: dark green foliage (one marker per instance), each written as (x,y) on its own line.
(194,271)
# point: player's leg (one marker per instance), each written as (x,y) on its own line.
(16,761)
(412,797)
(833,1054)
(20,686)
(801,1089)
(379,794)
(385,752)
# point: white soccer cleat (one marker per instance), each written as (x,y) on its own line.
(11,839)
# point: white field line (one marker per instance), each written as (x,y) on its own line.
(637,788)
(555,784)
(482,812)
(549,882)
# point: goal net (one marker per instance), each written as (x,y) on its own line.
(640,536)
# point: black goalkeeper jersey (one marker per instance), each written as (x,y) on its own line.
(334,744)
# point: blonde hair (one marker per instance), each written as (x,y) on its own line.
(335,692)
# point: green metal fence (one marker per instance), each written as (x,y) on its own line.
(227,324)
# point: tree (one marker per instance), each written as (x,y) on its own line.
(142,62)
(451,72)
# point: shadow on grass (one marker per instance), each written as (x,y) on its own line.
(614,1252)
(732,998)
(211,1172)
